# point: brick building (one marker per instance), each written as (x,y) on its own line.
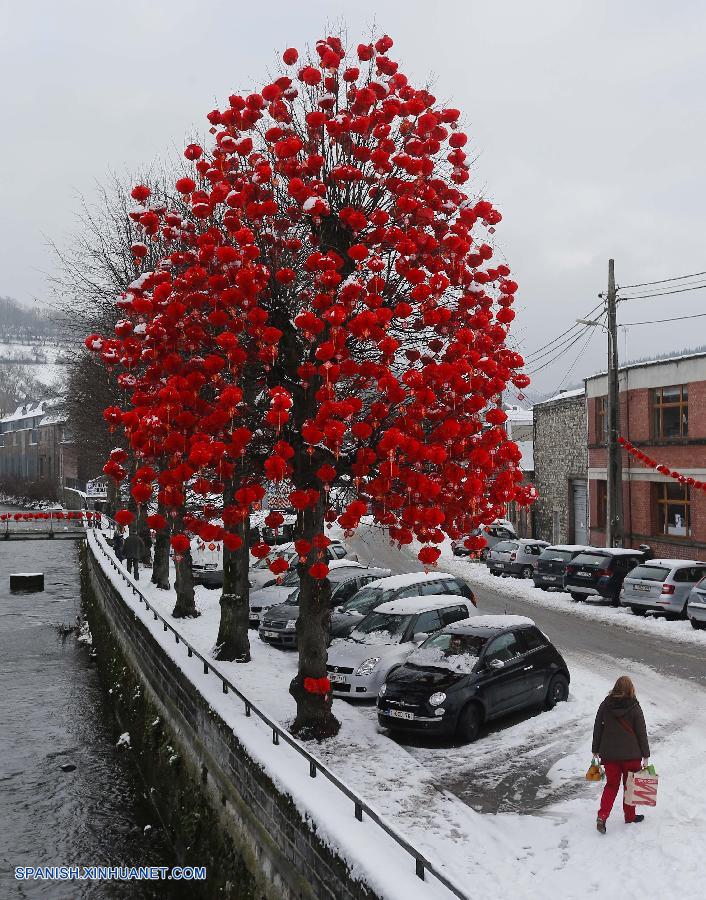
(561,469)
(663,412)
(34,446)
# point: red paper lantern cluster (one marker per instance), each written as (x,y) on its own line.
(327,223)
(659,467)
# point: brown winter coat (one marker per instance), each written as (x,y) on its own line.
(620,731)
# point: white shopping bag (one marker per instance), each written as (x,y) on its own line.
(641,788)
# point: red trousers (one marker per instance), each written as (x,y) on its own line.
(613,771)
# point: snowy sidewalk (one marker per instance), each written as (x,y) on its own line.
(539,837)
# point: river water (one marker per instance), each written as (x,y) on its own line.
(53,712)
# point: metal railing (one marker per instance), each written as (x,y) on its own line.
(360,807)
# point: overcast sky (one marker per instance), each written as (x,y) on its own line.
(587,118)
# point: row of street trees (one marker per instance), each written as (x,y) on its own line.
(314,304)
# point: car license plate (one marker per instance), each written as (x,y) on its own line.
(400,714)
(640,587)
(584,574)
(270,633)
(335,678)
(499,565)
(550,577)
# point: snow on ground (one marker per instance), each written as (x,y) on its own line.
(477,573)
(510,815)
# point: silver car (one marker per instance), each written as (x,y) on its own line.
(696,605)
(519,557)
(661,585)
(358,665)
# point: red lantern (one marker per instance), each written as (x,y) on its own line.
(180,543)
(122,517)
(156,522)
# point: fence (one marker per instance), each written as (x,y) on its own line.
(316,767)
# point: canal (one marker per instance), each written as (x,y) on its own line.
(53,714)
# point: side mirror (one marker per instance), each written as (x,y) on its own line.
(496,664)
(419,637)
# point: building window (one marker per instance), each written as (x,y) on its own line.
(671,412)
(673,509)
(33,436)
(601,420)
(601,503)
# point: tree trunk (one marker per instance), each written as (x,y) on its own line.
(233,641)
(160,562)
(185,606)
(315,718)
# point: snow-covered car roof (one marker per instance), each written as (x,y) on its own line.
(392,582)
(407,606)
(496,623)
(340,563)
(530,541)
(613,551)
(674,563)
(570,548)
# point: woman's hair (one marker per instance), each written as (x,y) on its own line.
(623,687)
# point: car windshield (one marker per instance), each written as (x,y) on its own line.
(456,652)
(504,546)
(293,598)
(649,573)
(380,628)
(365,600)
(291,578)
(591,561)
(556,555)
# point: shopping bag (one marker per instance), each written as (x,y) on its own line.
(595,771)
(641,788)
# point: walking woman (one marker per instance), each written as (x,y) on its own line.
(620,742)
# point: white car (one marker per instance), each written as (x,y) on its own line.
(277,593)
(359,664)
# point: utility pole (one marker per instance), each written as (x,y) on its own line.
(614,491)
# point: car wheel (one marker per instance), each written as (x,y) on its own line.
(638,610)
(469,723)
(695,623)
(576,597)
(557,692)
(495,572)
(615,600)
(542,587)
(526,572)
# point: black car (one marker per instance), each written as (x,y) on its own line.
(552,563)
(279,622)
(600,572)
(471,672)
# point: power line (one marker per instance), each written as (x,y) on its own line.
(661,281)
(578,356)
(696,287)
(656,321)
(558,356)
(536,354)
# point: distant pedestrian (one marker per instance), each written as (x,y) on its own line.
(118,543)
(146,535)
(134,550)
(620,742)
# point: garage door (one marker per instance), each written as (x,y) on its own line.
(580,509)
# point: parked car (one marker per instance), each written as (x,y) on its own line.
(499,530)
(358,665)
(551,565)
(209,571)
(277,592)
(696,606)
(279,623)
(662,585)
(346,616)
(260,575)
(473,671)
(515,557)
(599,572)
